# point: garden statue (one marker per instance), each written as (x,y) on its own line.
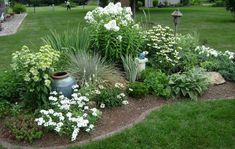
(141,61)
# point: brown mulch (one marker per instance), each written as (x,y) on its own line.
(116,118)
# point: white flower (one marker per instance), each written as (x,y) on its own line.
(75,86)
(122,94)
(102,105)
(112,25)
(69,114)
(97,92)
(119,38)
(119,85)
(130,89)
(125,102)
(101,87)
(74,134)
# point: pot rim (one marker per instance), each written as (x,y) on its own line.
(60,75)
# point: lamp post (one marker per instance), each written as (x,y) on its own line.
(176,19)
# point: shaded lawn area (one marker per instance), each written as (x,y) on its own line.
(209,124)
(214,25)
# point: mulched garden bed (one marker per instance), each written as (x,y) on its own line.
(116,118)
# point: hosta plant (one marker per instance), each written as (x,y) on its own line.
(34,70)
(114,32)
(189,84)
(68,116)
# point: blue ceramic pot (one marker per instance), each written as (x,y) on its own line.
(63,82)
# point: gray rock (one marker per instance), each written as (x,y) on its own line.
(215,78)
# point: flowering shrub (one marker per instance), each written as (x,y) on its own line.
(114,32)
(163,50)
(111,97)
(69,116)
(34,69)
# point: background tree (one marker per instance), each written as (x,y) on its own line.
(230,6)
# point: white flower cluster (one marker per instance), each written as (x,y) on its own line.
(68,114)
(209,52)
(35,67)
(161,42)
(113,17)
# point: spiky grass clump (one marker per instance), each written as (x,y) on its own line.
(91,67)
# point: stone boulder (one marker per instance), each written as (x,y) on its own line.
(215,78)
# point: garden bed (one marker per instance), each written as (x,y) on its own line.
(116,118)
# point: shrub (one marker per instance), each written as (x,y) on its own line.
(34,70)
(114,32)
(188,84)
(220,3)
(19,8)
(130,67)
(4,108)
(163,51)
(226,67)
(230,6)
(89,67)
(137,89)
(188,58)
(155,3)
(24,128)
(10,86)
(111,97)
(68,116)
(157,83)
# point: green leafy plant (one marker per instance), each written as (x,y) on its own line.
(34,70)
(24,128)
(88,67)
(130,67)
(226,67)
(188,58)
(114,32)
(111,97)
(4,108)
(157,83)
(188,84)
(10,86)
(137,89)
(19,8)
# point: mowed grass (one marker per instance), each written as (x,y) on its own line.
(215,26)
(182,125)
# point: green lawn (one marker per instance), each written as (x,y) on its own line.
(182,125)
(214,25)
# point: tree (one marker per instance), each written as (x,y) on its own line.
(230,6)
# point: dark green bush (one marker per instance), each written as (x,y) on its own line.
(227,68)
(24,128)
(10,86)
(188,84)
(157,83)
(230,6)
(4,108)
(137,89)
(19,8)
(155,3)
(219,4)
